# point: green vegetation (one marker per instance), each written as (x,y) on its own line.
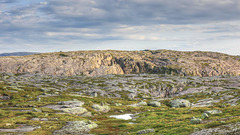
(22,98)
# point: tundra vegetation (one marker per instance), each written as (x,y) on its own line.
(160,104)
(161,92)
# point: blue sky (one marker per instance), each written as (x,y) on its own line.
(69,25)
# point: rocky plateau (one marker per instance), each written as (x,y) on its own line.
(93,63)
(160,92)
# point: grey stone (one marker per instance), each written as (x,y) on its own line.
(142,103)
(205,102)
(76,110)
(54,119)
(195,120)
(36,110)
(87,114)
(205,115)
(72,103)
(101,108)
(94,94)
(177,103)
(76,127)
(230,129)
(22,128)
(38,99)
(118,104)
(213,112)
(35,119)
(154,104)
(146,131)
(226,97)
(44,119)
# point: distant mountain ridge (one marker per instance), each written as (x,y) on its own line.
(17,54)
(94,63)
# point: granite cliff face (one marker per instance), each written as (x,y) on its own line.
(93,63)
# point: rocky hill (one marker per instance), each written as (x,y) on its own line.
(93,63)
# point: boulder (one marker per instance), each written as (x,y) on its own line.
(205,115)
(101,108)
(118,104)
(195,120)
(87,114)
(177,103)
(35,119)
(213,112)
(154,104)
(142,103)
(36,110)
(76,110)
(93,94)
(76,127)
(72,103)
(44,119)
(230,129)
(38,99)
(146,131)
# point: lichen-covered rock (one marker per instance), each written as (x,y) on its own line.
(177,103)
(118,104)
(35,119)
(205,116)
(142,103)
(5,97)
(213,112)
(76,127)
(205,102)
(72,107)
(154,104)
(72,103)
(101,108)
(146,131)
(87,114)
(44,119)
(36,110)
(76,110)
(230,129)
(93,94)
(195,120)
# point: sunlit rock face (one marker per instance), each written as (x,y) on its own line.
(95,63)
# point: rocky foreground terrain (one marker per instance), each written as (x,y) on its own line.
(93,63)
(162,104)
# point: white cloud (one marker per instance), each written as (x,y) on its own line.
(135,24)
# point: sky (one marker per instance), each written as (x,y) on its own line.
(71,25)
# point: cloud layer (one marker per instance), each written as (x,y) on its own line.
(53,25)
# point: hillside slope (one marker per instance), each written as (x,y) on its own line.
(93,63)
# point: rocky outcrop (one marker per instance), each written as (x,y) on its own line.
(94,63)
(71,107)
(230,129)
(76,127)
